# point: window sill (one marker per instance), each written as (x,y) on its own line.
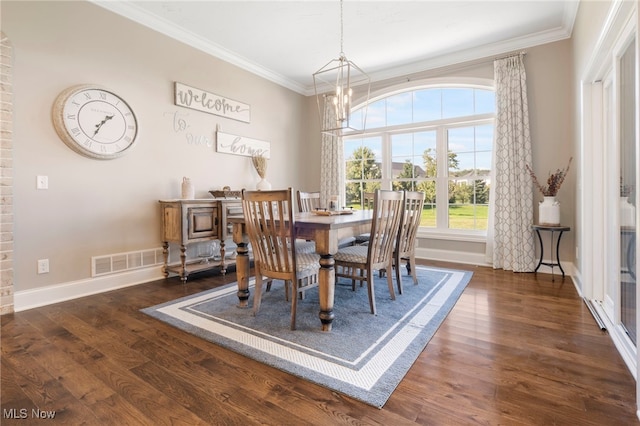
(449,235)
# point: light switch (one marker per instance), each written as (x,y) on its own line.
(42,182)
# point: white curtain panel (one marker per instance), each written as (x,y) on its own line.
(510,243)
(332,158)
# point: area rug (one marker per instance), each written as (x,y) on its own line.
(365,356)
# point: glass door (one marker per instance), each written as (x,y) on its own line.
(628,196)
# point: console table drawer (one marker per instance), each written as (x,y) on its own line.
(203,222)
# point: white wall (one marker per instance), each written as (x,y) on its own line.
(102,207)
(550,92)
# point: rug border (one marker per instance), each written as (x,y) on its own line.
(412,339)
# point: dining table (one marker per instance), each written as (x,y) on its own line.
(326,229)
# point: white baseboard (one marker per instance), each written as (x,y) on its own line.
(452,256)
(29,299)
(479,259)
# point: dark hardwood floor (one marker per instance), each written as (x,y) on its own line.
(515,350)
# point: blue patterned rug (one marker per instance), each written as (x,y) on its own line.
(364,356)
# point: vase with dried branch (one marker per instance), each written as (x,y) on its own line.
(549,208)
(260,164)
(554,181)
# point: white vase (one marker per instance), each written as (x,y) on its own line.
(549,212)
(263,185)
(627,213)
(188,191)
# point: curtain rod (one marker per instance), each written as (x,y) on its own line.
(523,53)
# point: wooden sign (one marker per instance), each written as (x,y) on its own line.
(200,100)
(239,145)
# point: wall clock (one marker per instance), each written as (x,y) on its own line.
(94,121)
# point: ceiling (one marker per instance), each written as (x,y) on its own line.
(287,41)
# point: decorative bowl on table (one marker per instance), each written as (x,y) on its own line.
(226,193)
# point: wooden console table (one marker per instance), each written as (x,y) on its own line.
(194,221)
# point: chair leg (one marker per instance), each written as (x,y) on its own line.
(414,273)
(372,295)
(398,265)
(303,282)
(390,283)
(352,271)
(294,303)
(257,296)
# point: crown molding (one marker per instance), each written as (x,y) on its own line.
(163,26)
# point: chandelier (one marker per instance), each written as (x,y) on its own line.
(334,83)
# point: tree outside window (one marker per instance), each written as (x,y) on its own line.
(404,153)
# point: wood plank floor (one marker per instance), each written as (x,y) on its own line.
(515,350)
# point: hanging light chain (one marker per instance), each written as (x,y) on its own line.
(341,30)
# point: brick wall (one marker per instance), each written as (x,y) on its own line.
(6,175)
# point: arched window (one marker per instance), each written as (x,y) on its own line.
(436,138)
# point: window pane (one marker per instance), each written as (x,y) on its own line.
(399,109)
(461,165)
(426,141)
(355,121)
(427,105)
(413,155)
(353,191)
(457,102)
(401,146)
(376,114)
(461,139)
(484,138)
(483,164)
(363,159)
(468,204)
(429,211)
(485,101)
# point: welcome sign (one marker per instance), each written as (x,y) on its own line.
(200,100)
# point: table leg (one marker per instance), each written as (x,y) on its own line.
(541,251)
(242,274)
(243,265)
(326,288)
(223,253)
(183,263)
(165,255)
(558,252)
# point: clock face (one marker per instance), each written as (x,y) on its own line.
(94,122)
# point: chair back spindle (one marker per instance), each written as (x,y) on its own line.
(308,201)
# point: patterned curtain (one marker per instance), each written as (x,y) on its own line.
(510,243)
(332,158)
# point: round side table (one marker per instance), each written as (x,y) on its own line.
(552,229)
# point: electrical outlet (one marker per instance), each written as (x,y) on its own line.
(42,182)
(43,266)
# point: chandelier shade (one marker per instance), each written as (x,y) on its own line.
(334,83)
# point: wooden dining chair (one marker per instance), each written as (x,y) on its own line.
(359,262)
(406,244)
(271,230)
(367,204)
(308,201)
